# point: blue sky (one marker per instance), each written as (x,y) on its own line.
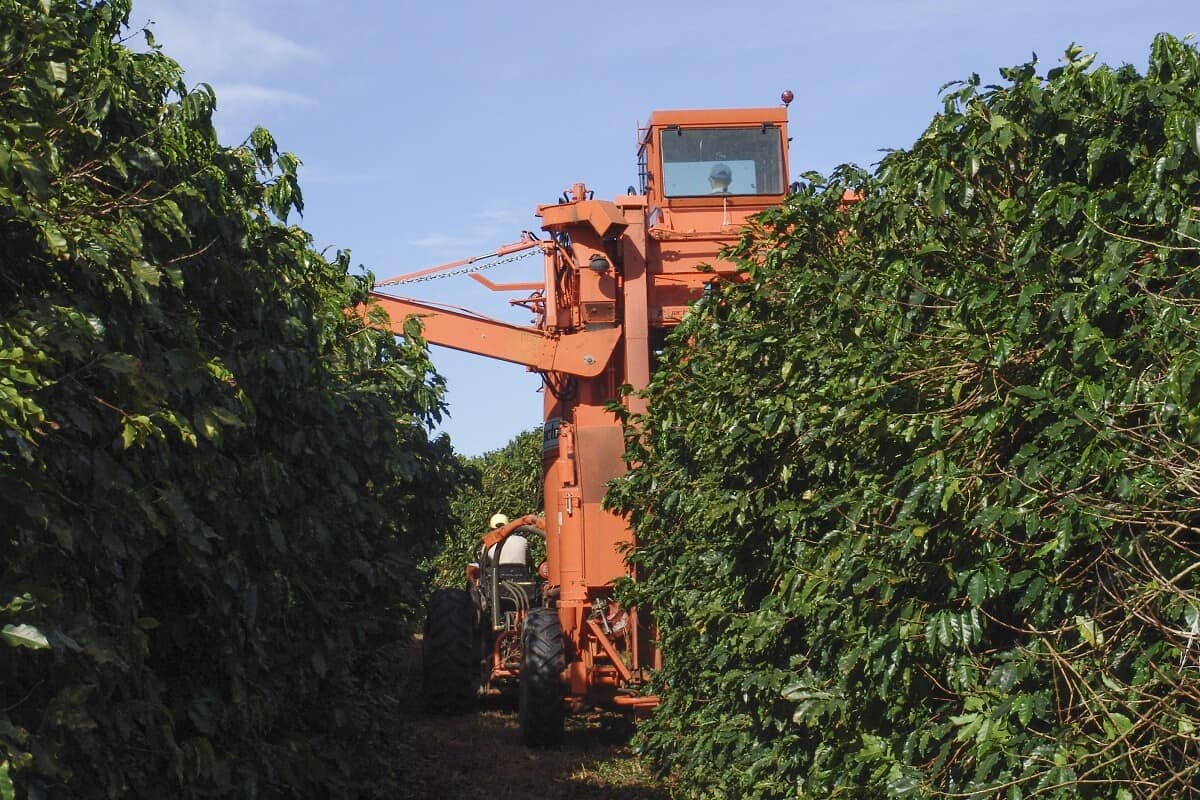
(430,131)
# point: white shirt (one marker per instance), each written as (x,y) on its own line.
(516,550)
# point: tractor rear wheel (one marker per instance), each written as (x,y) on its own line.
(541,687)
(450,660)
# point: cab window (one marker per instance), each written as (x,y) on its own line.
(730,161)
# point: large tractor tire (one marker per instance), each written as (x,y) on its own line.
(541,692)
(450,659)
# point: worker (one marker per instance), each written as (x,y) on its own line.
(719,179)
(513,552)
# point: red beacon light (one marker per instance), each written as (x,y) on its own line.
(787,97)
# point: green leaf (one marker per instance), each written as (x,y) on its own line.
(145,272)
(1089,630)
(24,636)
(7,792)
(17,603)
(1117,725)
(977,588)
(55,241)
(226,417)
(1032,392)
(903,782)
(129,434)
(208,425)
(1024,705)
(33,174)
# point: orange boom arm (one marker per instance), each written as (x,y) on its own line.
(583,353)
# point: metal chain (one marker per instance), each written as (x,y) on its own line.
(462,270)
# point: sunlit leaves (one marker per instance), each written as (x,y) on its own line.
(24,636)
(942,446)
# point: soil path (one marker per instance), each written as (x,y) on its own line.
(480,755)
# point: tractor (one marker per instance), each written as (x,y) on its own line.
(617,275)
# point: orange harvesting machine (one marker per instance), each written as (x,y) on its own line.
(617,275)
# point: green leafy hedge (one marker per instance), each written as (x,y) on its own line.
(214,486)
(918,502)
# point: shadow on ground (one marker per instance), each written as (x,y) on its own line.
(480,755)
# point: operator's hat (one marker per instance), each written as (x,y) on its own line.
(721,172)
(497,521)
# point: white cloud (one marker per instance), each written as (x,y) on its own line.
(237,97)
(504,217)
(216,40)
(494,227)
(436,241)
(314,175)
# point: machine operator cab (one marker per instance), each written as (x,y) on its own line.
(704,174)
(729,161)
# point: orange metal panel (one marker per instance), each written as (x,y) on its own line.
(716,117)
(508,287)
(635,296)
(607,646)
(646,701)
(602,216)
(583,353)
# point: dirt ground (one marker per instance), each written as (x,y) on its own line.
(480,755)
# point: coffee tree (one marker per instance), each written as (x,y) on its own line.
(917,504)
(214,484)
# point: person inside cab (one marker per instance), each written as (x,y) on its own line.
(719,179)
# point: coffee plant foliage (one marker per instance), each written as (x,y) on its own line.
(215,486)
(917,501)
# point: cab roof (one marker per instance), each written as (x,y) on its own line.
(717,116)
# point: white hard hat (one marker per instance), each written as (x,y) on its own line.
(497,521)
